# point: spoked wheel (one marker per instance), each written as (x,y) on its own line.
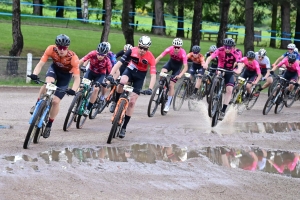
(41,130)
(235,95)
(33,128)
(163,100)
(116,127)
(97,108)
(290,98)
(279,104)
(202,90)
(80,121)
(215,119)
(270,101)
(72,112)
(154,100)
(272,86)
(207,88)
(214,99)
(253,98)
(180,96)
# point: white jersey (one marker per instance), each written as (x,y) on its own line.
(264,63)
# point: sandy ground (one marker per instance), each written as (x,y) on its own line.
(78,164)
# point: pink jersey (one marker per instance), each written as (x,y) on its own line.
(290,67)
(253,66)
(291,166)
(181,56)
(226,60)
(96,65)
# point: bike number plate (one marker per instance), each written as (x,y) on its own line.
(163,74)
(206,72)
(51,86)
(86,81)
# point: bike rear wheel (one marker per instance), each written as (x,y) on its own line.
(270,101)
(180,96)
(155,100)
(273,85)
(115,124)
(290,98)
(214,99)
(280,104)
(163,100)
(253,98)
(72,112)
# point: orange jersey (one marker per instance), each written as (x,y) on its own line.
(199,59)
(68,63)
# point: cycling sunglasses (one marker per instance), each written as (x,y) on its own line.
(143,48)
(228,47)
(62,48)
(101,54)
(176,47)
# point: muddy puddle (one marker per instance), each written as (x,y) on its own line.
(252,159)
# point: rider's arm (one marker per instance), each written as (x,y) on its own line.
(240,66)
(158,59)
(152,73)
(43,60)
(125,58)
(76,72)
(76,82)
(278,60)
(165,52)
(38,68)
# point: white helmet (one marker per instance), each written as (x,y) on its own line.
(212,48)
(177,42)
(296,50)
(262,52)
(145,41)
(127,46)
(291,46)
(108,45)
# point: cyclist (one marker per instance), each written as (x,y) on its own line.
(100,65)
(139,59)
(198,60)
(227,57)
(252,71)
(291,47)
(64,66)
(264,63)
(292,70)
(111,55)
(177,58)
(214,62)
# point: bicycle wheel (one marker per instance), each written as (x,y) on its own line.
(39,131)
(272,86)
(96,106)
(202,91)
(115,124)
(80,119)
(253,98)
(235,95)
(291,98)
(207,88)
(154,100)
(72,112)
(270,101)
(214,99)
(215,119)
(33,128)
(180,96)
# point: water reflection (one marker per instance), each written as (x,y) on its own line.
(266,127)
(278,162)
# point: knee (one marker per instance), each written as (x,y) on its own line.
(55,102)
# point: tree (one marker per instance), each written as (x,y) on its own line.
(128,31)
(249,26)
(285,23)
(60,10)
(297,29)
(225,5)
(196,25)
(106,28)
(17,46)
(78,9)
(274,23)
(159,18)
(180,20)
(37,9)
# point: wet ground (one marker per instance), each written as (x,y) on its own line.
(165,157)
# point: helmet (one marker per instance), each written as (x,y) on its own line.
(196,49)
(103,48)
(292,58)
(108,45)
(212,48)
(296,50)
(228,42)
(127,46)
(250,54)
(62,40)
(291,46)
(145,41)
(262,52)
(177,42)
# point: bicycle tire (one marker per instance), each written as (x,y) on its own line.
(269,103)
(279,106)
(39,131)
(215,119)
(290,101)
(154,100)
(252,99)
(208,87)
(32,128)
(212,106)
(95,110)
(202,91)
(80,119)
(235,95)
(163,100)
(273,85)
(72,111)
(178,99)
(115,123)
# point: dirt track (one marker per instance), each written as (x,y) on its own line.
(53,169)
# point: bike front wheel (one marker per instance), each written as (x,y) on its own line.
(214,98)
(154,100)
(270,101)
(72,112)
(115,124)
(180,96)
(253,98)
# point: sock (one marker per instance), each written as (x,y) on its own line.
(102,97)
(126,120)
(49,124)
(90,106)
(169,100)
(117,96)
(195,90)
(224,108)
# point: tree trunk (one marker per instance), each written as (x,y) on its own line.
(170,7)
(274,23)
(180,22)
(103,12)
(85,11)
(60,9)
(37,9)
(249,26)
(78,9)
(105,31)
(224,21)
(196,26)
(159,18)
(297,29)
(128,30)
(17,46)
(285,24)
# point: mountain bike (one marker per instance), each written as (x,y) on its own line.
(276,80)
(159,95)
(183,92)
(40,116)
(293,96)
(277,97)
(119,113)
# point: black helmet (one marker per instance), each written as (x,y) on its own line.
(228,42)
(292,58)
(196,49)
(62,40)
(103,48)
(250,54)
